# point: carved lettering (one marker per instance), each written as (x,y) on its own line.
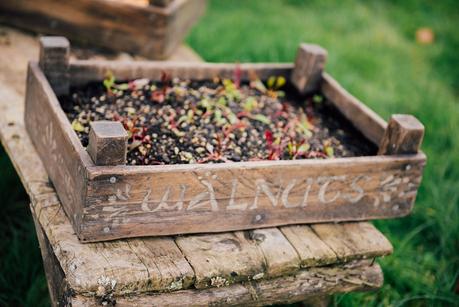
(232,204)
(262,186)
(323,189)
(202,199)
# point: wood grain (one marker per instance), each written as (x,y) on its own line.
(107,143)
(279,254)
(84,71)
(57,143)
(54,62)
(165,200)
(309,65)
(311,249)
(151,31)
(353,240)
(358,276)
(370,124)
(222,259)
(403,135)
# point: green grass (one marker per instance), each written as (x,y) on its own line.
(373,53)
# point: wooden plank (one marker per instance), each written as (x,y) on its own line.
(358,276)
(178,199)
(59,290)
(83,71)
(403,135)
(370,124)
(151,31)
(57,143)
(353,240)
(311,249)
(222,259)
(280,256)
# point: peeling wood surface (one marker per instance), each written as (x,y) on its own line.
(160,264)
(307,284)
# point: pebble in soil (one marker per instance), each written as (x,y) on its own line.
(175,121)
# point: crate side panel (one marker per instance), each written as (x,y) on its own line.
(369,123)
(84,71)
(221,198)
(61,158)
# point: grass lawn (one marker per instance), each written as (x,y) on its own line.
(374,54)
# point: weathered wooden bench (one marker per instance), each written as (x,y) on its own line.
(265,266)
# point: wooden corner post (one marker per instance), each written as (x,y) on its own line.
(107,143)
(54,62)
(403,135)
(309,65)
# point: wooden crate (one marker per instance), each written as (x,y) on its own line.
(106,202)
(152,30)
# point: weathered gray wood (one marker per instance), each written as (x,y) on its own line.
(353,240)
(311,249)
(279,254)
(213,198)
(83,71)
(370,124)
(222,259)
(309,65)
(107,143)
(151,31)
(57,143)
(358,276)
(59,290)
(54,62)
(403,135)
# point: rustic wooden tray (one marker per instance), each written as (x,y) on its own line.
(114,201)
(153,29)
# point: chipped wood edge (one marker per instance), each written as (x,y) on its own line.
(355,276)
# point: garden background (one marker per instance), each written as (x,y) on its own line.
(374,53)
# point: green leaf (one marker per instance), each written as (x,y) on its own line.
(250,104)
(271,81)
(317,98)
(329,151)
(77,126)
(109,81)
(280,81)
(262,118)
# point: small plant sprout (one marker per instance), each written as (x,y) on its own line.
(172,120)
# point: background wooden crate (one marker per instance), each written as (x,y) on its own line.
(153,31)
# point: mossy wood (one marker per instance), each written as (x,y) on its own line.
(152,30)
(109,202)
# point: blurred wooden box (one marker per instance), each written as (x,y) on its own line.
(152,29)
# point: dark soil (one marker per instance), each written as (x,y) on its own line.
(181,121)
